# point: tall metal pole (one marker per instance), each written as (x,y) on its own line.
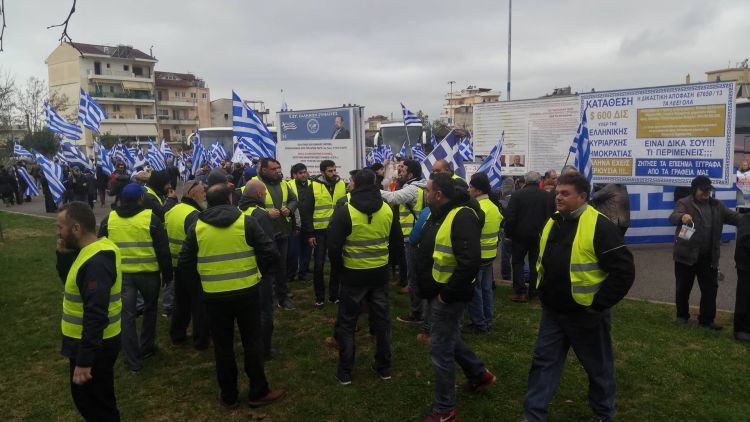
(452,115)
(510,8)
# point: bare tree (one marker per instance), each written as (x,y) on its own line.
(7,97)
(31,100)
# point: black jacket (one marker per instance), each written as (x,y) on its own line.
(308,205)
(95,280)
(259,214)
(368,201)
(687,251)
(158,238)
(528,211)
(742,249)
(465,234)
(281,227)
(614,258)
(223,216)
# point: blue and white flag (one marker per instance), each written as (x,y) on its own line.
(57,124)
(410,119)
(447,150)
(216,154)
(198,155)
(60,159)
(582,145)
(246,124)
(418,153)
(386,152)
(433,141)
(20,151)
(155,157)
(249,149)
(31,188)
(167,152)
(90,113)
(492,165)
(103,160)
(53,173)
(402,153)
(122,153)
(74,157)
(140,158)
(466,149)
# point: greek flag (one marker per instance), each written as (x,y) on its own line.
(102,159)
(650,207)
(20,151)
(410,119)
(492,165)
(198,155)
(582,145)
(284,106)
(370,158)
(53,173)
(402,153)
(216,154)
(31,188)
(57,124)
(140,159)
(59,158)
(246,124)
(447,150)
(386,152)
(122,153)
(466,149)
(249,149)
(155,157)
(167,152)
(433,141)
(377,155)
(90,113)
(74,157)
(418,153)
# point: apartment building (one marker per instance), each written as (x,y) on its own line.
(120,78)
(183,104)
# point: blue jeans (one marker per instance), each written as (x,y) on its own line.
(590,337)
(481,305)
(350,306)
(167,300)
(505,256)
(446,348)
(134,347)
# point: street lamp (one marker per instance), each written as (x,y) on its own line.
(450,104)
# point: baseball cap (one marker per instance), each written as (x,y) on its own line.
(132,191)
(702,183)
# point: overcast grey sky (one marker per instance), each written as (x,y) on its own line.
(377,53)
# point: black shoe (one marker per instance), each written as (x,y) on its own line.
(473,329)
(409,319)
(286,305)
(229,405)
(681,320)
(344,379)
(712,326)
(320,304)
(384,373)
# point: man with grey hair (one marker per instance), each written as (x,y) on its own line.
(528,210)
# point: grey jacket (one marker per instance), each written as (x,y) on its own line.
(613,201)
(687,251)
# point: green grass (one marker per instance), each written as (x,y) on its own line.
(664,371)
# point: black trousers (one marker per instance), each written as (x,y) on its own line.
(320,255)
(685,275)
(95,400)
(280,280)
(520,247)
(742,303)
(222,315)
(188,304)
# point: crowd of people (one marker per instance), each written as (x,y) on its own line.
(226,248)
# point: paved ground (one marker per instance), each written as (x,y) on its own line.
(654,265)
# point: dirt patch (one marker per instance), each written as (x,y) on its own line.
(18,234)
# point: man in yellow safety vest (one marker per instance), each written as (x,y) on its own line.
(584,269)
(90,269)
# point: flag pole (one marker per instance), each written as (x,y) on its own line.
(408,140)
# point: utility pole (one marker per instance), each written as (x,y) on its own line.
(510,8)
(450,104)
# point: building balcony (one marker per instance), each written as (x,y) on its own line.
(119,75)
(182,102)
(131,118)
(124,96)
(166,120)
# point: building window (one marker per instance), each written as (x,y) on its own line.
(203,95)
(107,65)
(125,67)
(192,95)
(111,89)
(226,116)
(115,107)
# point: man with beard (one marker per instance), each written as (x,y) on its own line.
(281,203)
(90,270)
(327,188)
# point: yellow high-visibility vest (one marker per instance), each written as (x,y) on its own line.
(174,222)
(72,316)
(133,236)
(367,245)
(585,275)
(269,201)
(444,261)
(151,191)
(406,217)
(225,261)
(491,228)
(324,203)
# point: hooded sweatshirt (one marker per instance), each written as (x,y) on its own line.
(158,236)
(156,182)
(223,216)
(465,234)
(367,200)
